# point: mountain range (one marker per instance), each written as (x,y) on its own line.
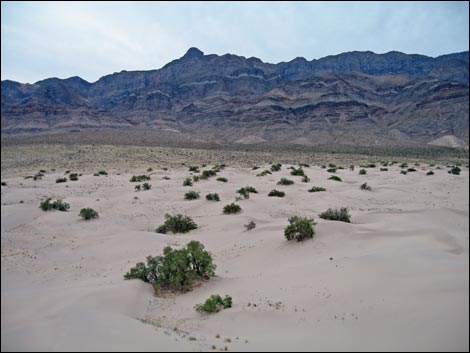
(351,98)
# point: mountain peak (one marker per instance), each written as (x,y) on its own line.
(193,53)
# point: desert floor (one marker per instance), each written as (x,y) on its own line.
(396,278)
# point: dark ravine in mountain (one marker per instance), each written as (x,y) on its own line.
(352,98)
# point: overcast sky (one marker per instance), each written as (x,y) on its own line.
(90,40)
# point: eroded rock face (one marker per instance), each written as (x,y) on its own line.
(356,97)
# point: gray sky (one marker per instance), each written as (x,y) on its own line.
(90,40)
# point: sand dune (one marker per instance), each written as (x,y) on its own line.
(397,278)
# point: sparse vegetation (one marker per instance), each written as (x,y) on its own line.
(336,215)
(137,187)
(316,189)
(188,182)
(251,225)
(305,179)
(299,228)
(331,170)
(411,170)
(222,179)
(214,304)
(177,224)
(59,205)
(455,170)
(263,173)
(362,171)
(276,167)
(213,197)
(102,172)
(298,172)
(208,173)
(404,172)
(335,177)
(430,173)
(146,186)
(176,269)
(384,169)
(194,169)
(285,181)
(139,178)
(73,176)
(232,208)
(245,191)
(365,187)
(4,183)
(191,195)
(277,193)
(88,213)
(61,180)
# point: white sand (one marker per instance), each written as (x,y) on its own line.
(399,278)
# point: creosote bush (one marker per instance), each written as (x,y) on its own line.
(277,193)
(177,224)
(404,172)
(176,269)
(139,178)
(411,170)
(430,173)
(245,191)
(137,187)
(365,187)
(276,167)
(316,189)
(73,176)
(59,205)
(146,186)
(455,170)
(362,171)
(331,170)
(214,304)
(335,177)
(232,208)
(188,182)
(194,169)
(285,181)
(251,225)
(222,179)
(383,169)
(102,172)
(88,213)
(297,172)
(191,195)
(336,215)
(61,180)
(263,173)
(213,197)
(299,228)
(305,179)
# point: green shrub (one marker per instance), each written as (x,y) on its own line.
(194,169)
(232,208)
(176,269)
(73,176)
(304,165)
(61,180)
(404,172)
(362,172)
(331,165)
(334,177)
(222,179)
(188,182)
(137,187)
(285,181)
(337,215)
(299,228)
(214,304)
(245,191)
(351,168)
(366,187)
(196,178)
(383,169)
(263,173)
(411,170)
(59,205)
(208,173)
(213,197)
(297,172)
(102,172)
(251,225)
(191,195)
(404,165)
(455,170)
(146,186)
(177,224)
(331,170)
(277,193)
(149,170)
(88,213)
(305,179)
(255,167)
(139,178)
(316,189)
(371,165)
(276,167)
(430,173)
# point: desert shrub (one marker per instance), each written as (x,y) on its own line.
(316,189)
(298,172)
(340,167)
(263,173)
(331,165)
(455,170)
(299,228)
(362,172)
(102,172)
(137,187)
(365,187)
(245,191)
(430,173)
(251,225)
(383,169)
(304,165)
(59,205)
(146,186)
(61,180)
(404,172)
(411,170)
(208,173)
(305,179)
(336,215)
(285,181)
(194,169)
(255,167)
(213,197)
(351,168)
(4,183)
(276,167)
(214,304)
(335,177)
(191,195)
(222,179)
(371,165)
(149,170)
(176,269)
(404,165)
(88,213)
(139,178)
(39,176)
(331,170)
(232,208)
(188,182)
(67,172)
(277,193)
(323,166)
(73,176)
(196,178)
(177,224)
